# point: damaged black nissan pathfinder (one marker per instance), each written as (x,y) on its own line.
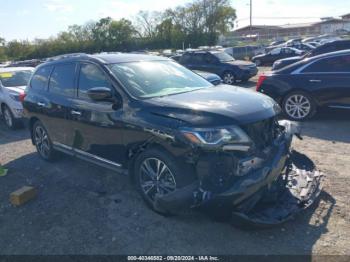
(185,142)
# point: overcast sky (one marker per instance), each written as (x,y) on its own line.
(23,19)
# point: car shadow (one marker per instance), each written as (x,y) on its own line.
(9,136)
(329,124)
(93,204)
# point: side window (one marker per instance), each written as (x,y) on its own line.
(333,64)
(40,79)
(276,51)
(198,59)
(186,58)
(91,76)
(62,80)
(209,58)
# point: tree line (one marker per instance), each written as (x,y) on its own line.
(194,24)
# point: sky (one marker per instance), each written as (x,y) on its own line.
(30,19)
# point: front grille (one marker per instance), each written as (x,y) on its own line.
(262,133)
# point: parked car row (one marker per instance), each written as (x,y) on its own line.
(317,81)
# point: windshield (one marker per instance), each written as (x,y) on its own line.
(223,57)
(15,78)
(157,78)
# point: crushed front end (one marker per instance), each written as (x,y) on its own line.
(261,185)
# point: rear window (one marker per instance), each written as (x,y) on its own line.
(40,79)
(62,80)
(15,78)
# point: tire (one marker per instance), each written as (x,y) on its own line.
(10,121)
(229,78)
(43,142)
(170,176)
(298,106)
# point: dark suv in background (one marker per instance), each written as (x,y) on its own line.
(220,63)
(184,142)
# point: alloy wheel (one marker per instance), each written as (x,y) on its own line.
(298,106)
(156,178)
(229,78)
(42,142)
(8,117)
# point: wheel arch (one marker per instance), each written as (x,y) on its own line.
(31,123)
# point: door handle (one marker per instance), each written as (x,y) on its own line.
(315,81)
(41,104)
(76,113)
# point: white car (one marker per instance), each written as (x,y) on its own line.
(13,81)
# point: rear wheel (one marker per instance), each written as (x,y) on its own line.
(229,78)
(298,106)
(9,119)
(43,142)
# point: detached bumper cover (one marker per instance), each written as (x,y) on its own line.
(287,184)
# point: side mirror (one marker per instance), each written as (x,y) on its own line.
(100,93)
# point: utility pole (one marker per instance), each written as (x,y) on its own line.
(251,16)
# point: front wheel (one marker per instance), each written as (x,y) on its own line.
(229,78)
(298,106)
(158,174)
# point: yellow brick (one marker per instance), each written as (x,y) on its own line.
(22,195)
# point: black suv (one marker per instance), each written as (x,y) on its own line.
(183,141)
(220,63)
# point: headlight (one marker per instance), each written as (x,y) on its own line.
(216,136)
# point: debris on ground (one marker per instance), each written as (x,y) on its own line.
(22,195)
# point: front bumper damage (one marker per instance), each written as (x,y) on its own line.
(283,186)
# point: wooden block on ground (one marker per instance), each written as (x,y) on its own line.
(22,195)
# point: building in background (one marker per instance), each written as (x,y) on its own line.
(327,25)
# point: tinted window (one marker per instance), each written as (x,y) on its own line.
(276,51)
(199,59)
(62,80)
(223,57)
(40,79)
(333,64)
(186,58)
(91,76)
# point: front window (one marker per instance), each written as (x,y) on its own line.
(15,78)
(157,78)
(223,56)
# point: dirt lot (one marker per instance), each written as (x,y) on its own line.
(84,209)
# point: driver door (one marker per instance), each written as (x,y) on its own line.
(97,128)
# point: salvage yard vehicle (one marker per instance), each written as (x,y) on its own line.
(184,142)
(220,63)
(301,88)
(326,48)
(275,54)
(13,81)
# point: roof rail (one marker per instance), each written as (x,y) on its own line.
(71,55)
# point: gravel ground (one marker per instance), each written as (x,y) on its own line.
(84,209)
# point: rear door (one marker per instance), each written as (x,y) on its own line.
(61,92)
(329,80)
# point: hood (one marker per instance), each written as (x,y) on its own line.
(16,89)
(206,74)
(289,59)
(240,63)
(219,105)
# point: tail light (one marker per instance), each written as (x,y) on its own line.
(261,79)
(22,96)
